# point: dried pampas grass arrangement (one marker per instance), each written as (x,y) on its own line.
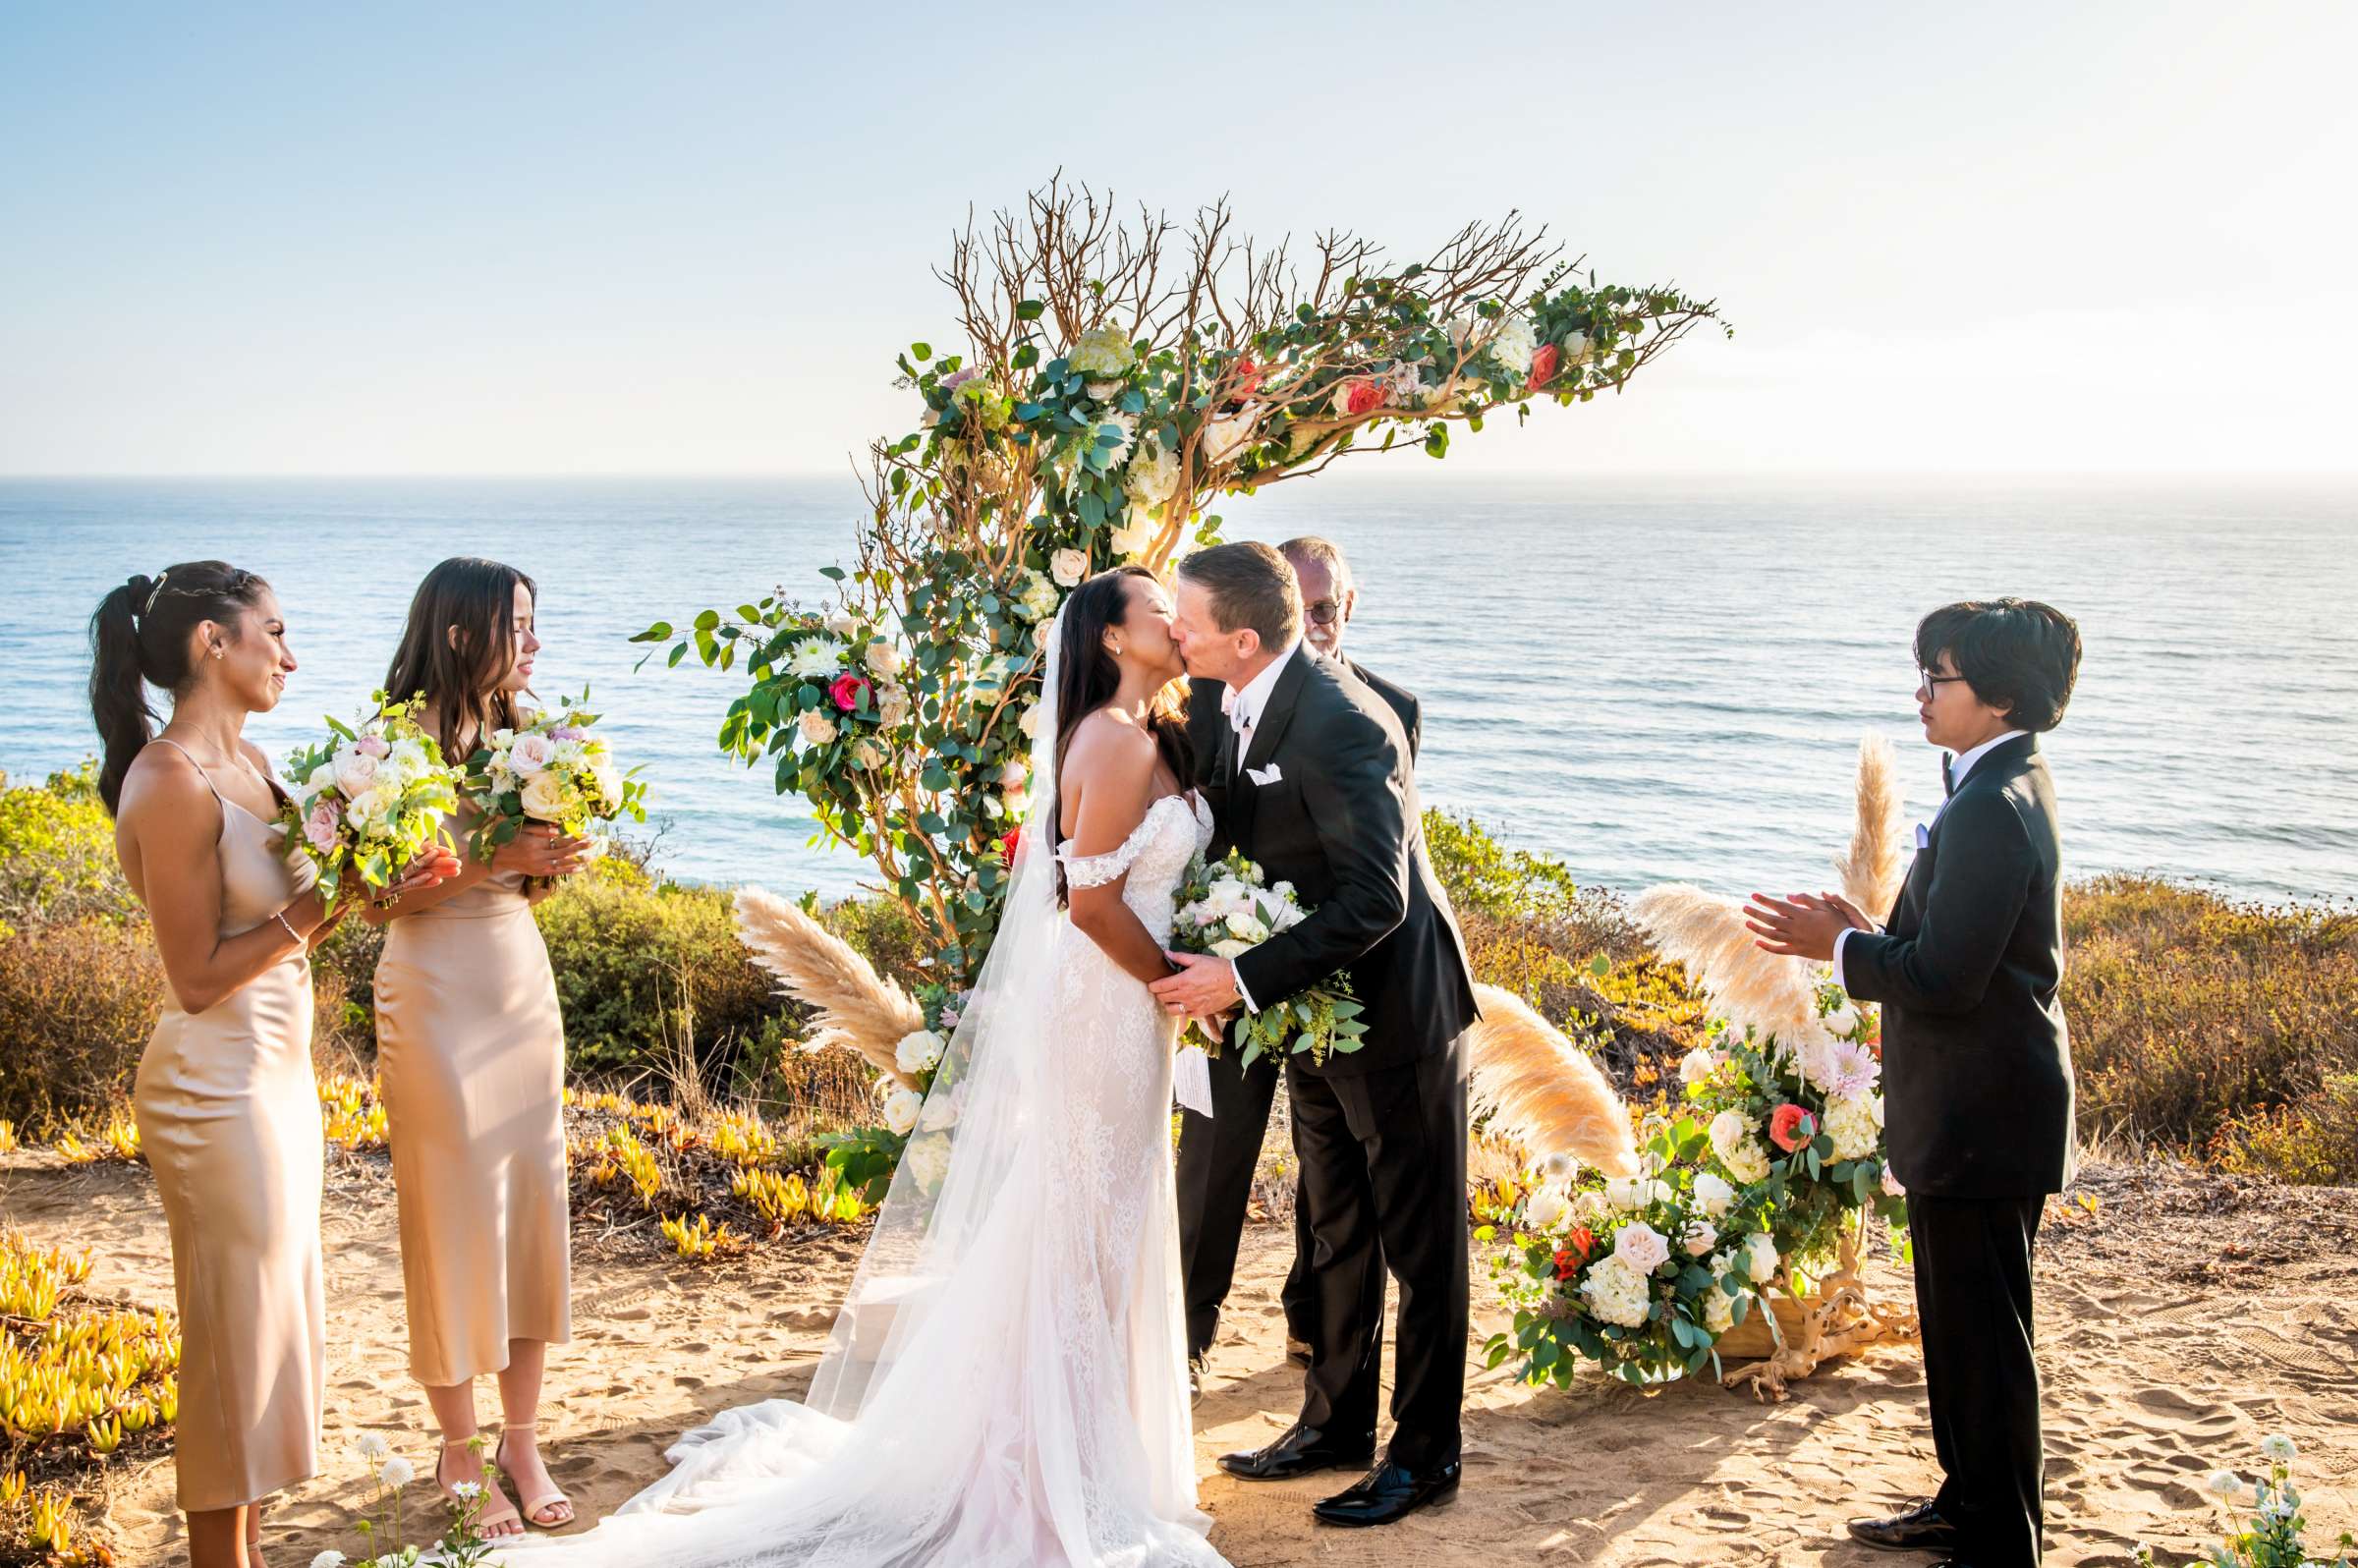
(858,1008)
(1543,1092)
(1874,866)
(1705,935)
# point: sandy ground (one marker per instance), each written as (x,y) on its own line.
(2182,1318)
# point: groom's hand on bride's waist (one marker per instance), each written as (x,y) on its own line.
(1204,987)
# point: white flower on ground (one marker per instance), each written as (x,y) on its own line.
(1102,351)
(813,655)
(1615,1293)
(1713,1195)
(1641,1248)
(817,728)
(1760,1257)
(1544,1209)
(330,1559)
(917,1050)
(1699,1237)
(2226,1483)
(2278,1447)
(901,1108)
(1699,1064)
(1851,1124)
(1069,566)
(397,1471)
(372,1445)
(465,1491)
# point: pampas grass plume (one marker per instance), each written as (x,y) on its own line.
(858,1008)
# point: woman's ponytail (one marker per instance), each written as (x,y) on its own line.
(139,638)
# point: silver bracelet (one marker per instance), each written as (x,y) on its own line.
(281,917)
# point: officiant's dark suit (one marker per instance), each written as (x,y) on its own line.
(1219,1153)
(1977,1104)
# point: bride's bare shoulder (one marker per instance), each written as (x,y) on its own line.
(1108,745)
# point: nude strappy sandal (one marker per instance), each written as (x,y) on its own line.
(534,1508)
(496,1509)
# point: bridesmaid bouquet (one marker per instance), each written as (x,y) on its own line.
(552,770)
(1226,908)
(367,801)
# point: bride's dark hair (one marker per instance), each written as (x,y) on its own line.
(1088,676)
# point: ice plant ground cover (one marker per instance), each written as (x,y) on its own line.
(365,803)
(1227,907)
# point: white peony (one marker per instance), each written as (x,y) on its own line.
(1153,475)
(531,754)
(1102,351)
(397,1472)
(813,655)
(918,1051)
(1544,1210)
(1616,1294)
(817,728)
(883,659)
(1641,1247)
(1699,1064)
(900,1110)
(1760,1257)
(1713,1195)
(1699,1236)
(1851,1124)
(1069,566)
(355,770)
(546,796)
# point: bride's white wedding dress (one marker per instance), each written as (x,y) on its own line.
(1007,1384)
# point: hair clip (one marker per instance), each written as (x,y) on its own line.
(148,608)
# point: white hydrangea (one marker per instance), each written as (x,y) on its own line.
(817,728)
(900,1110)
(1616,1294)
(1851,1124)
(1036,601)
(1514,343)
(1713,1195)
(1069,566)
(1544,1210)
(918,1051)
(1641,1248)
(1102,351)
(1699,1237)
(1153,475)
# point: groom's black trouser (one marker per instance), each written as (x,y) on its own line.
(1973,1298)
(1384,1178)
(1218,1155)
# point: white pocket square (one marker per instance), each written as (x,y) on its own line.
(1923,836)
(1264,776)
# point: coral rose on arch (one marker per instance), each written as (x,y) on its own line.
(1791,1127)
(848,691)
(1543,365)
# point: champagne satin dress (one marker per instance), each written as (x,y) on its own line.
(229,1117)
(470,1049)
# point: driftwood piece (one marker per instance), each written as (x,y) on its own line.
(1802,1330)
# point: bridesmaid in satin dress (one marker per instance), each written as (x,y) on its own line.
(471,1050)
(227,1107)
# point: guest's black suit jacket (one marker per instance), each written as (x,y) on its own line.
(1342,824)
(1976,1063)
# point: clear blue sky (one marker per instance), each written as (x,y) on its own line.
(2106,237)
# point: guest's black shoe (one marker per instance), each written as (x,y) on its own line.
(1920,1529)
(1297,1351)
(1302,1451)
(1388,1493)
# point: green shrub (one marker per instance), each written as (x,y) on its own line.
(57,854)
(78,1002)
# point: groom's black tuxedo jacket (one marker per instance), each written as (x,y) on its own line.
(1977,1064)
(1341,822)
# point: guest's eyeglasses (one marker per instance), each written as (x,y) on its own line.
(1326,612)
(1933,683)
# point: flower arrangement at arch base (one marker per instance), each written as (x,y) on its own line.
(1759,1187)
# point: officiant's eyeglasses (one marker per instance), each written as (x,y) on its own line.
(1933,683)
(1323,611)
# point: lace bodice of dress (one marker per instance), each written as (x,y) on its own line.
(1174,831)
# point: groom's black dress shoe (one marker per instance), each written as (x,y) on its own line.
(1920,1529)
(1388,1493)
(1302,1451)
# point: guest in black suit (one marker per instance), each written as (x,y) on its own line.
(1219,1153)
(1977,1066)
(1314,783)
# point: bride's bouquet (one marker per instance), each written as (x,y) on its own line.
(552,770)
(367,801)
(1227,907)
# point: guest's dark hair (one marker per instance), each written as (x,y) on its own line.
(1086,677)
(1251,585)
(140,637)
(460,676)
(2018,654)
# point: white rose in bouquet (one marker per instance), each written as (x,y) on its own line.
(1641,1248)
(1069,566)
(355,770)
(1760,1257)
(371,810)
(531,754)
(1699,1064)
(1625,1193)
(1578,349)
(1713,1195)
(1851,1124)
(1699,1237)
(1225,438)
(546,796)
(1616,1294)
(884,659)
(842,624)
(1544,1210)
(919,1052)
(1231,947)
(817,729)
(901,1108)
(1246,929)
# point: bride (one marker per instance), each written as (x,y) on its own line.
(1005,1386)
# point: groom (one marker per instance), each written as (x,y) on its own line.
(1311,780)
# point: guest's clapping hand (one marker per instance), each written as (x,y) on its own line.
(1800,926)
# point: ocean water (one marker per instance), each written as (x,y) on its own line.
(1653,681)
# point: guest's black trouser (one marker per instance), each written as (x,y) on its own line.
(1383,1177)
(1218,1157)
(1973,1297)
